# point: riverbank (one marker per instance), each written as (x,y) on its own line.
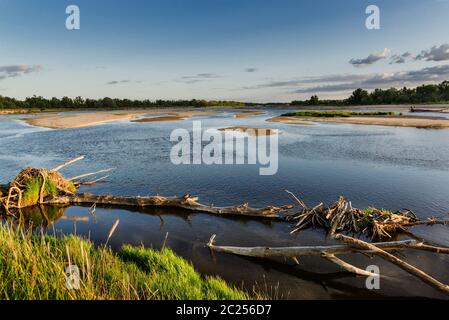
(33,267)
(390,121)
(91,118)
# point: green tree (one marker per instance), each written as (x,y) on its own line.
(314,101)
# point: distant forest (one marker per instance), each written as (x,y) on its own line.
(434,94)
(41,103)
(431,93)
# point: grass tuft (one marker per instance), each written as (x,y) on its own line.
(33,189)
(33,267)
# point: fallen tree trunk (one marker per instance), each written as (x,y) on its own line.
(326,252)
(293,252)
(359,244)
(351,245)
(54,189)
(185,202)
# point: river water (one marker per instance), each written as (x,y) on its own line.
(384,167)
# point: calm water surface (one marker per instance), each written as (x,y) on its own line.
(387,167)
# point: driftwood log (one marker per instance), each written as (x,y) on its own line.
(292,252)
(186,202)
(68,163)
(11,195)
(351,245)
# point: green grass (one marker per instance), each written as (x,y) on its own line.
(372,210)
(333,114)
(33,267)
(33,188)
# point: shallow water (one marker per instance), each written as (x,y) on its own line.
(392,168)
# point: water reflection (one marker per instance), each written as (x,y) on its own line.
(187,233)
(36,217)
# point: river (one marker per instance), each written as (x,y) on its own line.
(384,167)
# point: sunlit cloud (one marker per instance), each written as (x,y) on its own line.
(371,59)
(435,53)
(12,71)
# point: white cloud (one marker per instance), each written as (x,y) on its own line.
(200,77)
(435,53)
(12,71)
(117,82)
(372,58)
(400,58)
(382,80)
(349,82)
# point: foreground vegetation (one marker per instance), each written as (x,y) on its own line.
(333,114)
(33,267)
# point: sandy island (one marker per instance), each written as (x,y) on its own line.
(86,119)
(291,120)
(175,116)
(393,121)
(159,119)
(252,131)
(248,114)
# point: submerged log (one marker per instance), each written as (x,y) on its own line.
(347,266)
(356,243)
(186,202)
(293,252)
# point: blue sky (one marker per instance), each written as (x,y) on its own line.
(250,50)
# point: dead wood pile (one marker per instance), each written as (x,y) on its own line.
(343,217)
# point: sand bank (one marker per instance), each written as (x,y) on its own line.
(158,119)
(248,114)
(86,119)
(393,121)
(252,131)
(290,120)
(78,120)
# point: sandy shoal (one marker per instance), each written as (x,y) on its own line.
(251,130)
(393,121)
(248,114)
(86,119)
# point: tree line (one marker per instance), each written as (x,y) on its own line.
(40,103)
(429,93)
